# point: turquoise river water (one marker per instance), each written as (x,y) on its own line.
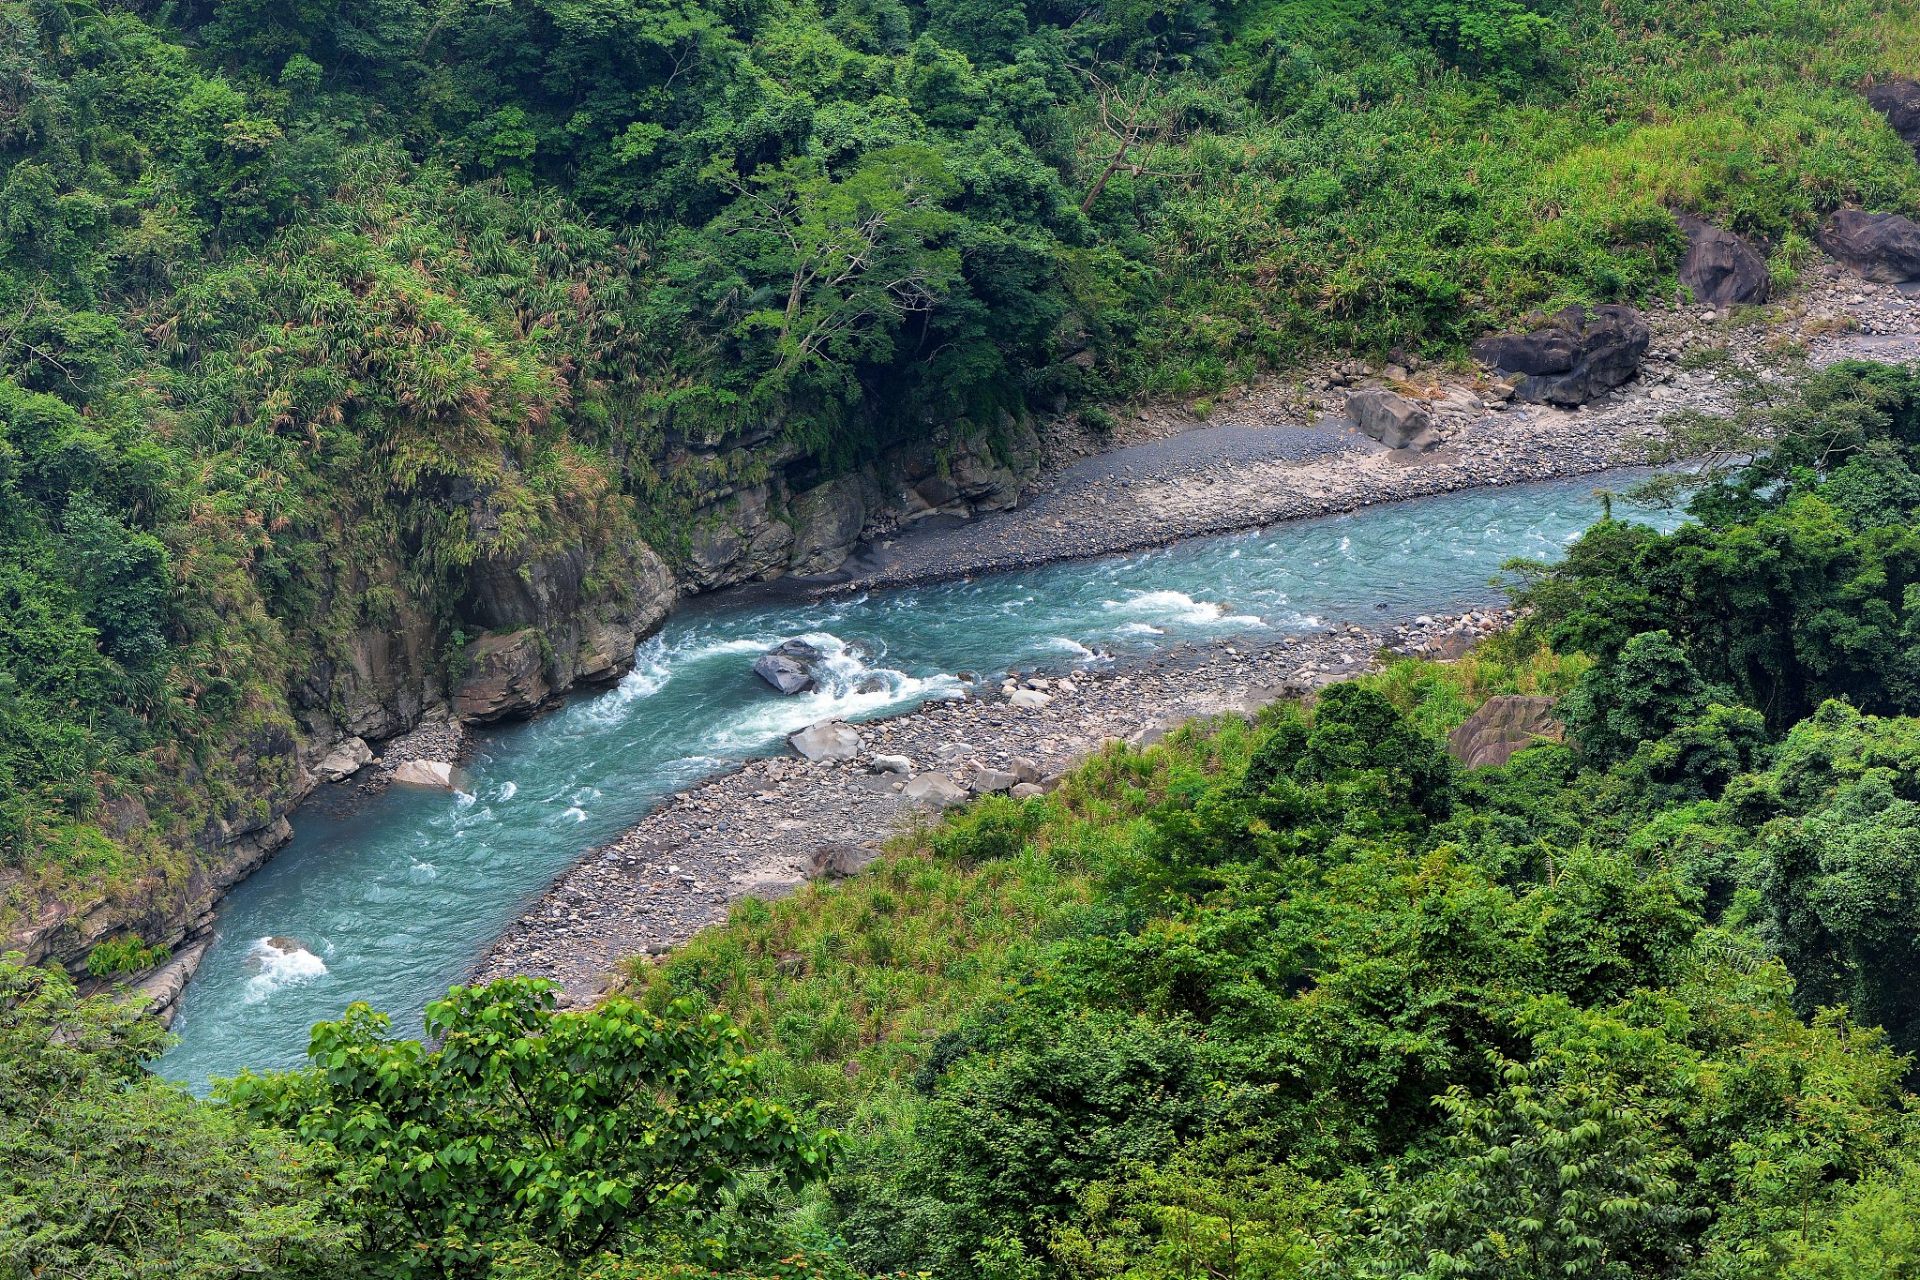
(393,899)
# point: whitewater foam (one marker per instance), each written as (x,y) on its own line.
(276,963)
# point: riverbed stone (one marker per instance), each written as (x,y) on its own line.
(935,789)
(1029,699)
(1391,418)
(344,760)
(838,860)
(424,773)
(1578,354)
(988,781)
(892,764)
(826,742)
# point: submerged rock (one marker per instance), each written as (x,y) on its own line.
(828,741)
(1720,268)
(1579,354)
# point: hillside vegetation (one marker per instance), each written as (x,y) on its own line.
(1296,999)
(317,315)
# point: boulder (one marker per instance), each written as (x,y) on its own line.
(1501,727)
(424,773)
(934,789)
(1027,791)
(837,861)
(1881,247)
(830,740)
(1393,420)
(1899,101)
(987,781)
(892,764)
(1579,354)
(788,675)
(1720,268)
(506,676)
(1029,699)
(344,760)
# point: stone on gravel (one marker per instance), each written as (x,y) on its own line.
(935,789)
(1030,699)
(1502,726)
(344,760)
(424,773)
(892,764)
(987,781)
(1881,247)
(788,675)
(1720,268)
(826,742)
(1027,791)
(1579,354)
(1024,770)
(837,861)
(1392,419)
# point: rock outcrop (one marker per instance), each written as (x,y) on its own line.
(1899,101)
(1881,247)
(1392,419)
(1579,354)
(506,677)
(1502,726)
(1720,268)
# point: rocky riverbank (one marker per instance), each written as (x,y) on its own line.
(1285,449)
(768,827)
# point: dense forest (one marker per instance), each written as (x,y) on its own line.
(1298,997)
(321,318)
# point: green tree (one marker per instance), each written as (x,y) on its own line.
(577,1131)
(112,1174)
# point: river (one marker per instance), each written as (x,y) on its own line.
(392,899)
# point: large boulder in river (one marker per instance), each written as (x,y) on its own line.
(506,676)
(1392,419)
(1502,726)
(1881,247)
(827,741)
(1720,268)
(1579,354)
(788,666)
(437,774)
(1899,101)
(788,675)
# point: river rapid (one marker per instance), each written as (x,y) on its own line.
(392,898)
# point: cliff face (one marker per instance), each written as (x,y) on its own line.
(522,632)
